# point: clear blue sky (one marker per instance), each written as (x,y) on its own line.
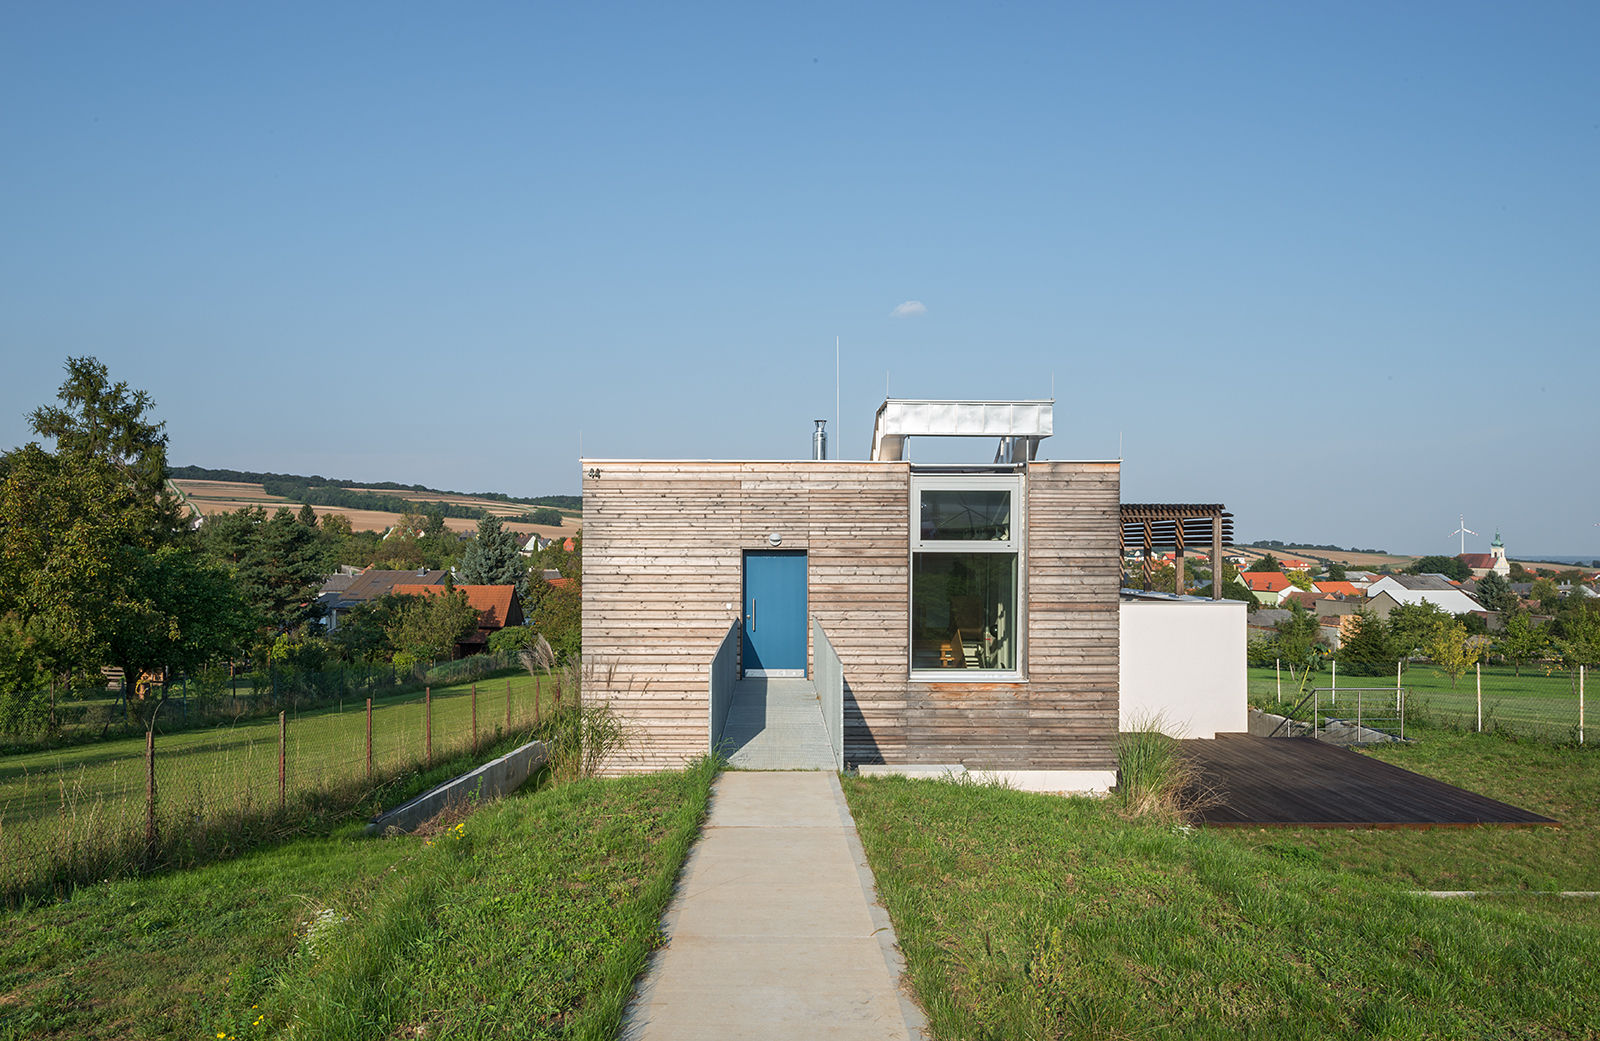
(1338,267)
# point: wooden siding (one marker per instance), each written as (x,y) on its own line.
(663,547)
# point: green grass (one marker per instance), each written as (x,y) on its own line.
(85,803)
(1029,916)
(532,921)
(1533,704)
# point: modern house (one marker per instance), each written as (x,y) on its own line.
(923,616)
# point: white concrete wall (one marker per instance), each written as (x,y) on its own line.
(1183,662)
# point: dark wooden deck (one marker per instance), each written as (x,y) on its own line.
(1300,782)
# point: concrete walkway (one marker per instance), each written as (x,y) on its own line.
(776,724)
(775,931)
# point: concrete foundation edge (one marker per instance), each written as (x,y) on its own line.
(1073,782)
(491,780)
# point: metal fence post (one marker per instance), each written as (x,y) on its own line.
(150,792)
(1582,670)
(427,711)
(1277,668)
(1399,669)
(508,704)
(369,739)
(1478,668)
(1335,694)
(474,719)
(283,742)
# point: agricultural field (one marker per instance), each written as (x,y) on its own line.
(211,497)
(1356,561)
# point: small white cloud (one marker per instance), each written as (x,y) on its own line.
(909,309)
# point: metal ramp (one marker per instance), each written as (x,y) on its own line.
(776,724)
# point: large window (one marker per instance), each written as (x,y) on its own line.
(965,551)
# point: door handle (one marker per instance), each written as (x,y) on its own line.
(752,614)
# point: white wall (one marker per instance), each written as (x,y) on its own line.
(1183,660)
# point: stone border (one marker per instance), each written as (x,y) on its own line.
(491,780)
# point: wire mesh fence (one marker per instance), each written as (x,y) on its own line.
(229,694)
(1546,704)
(62,810)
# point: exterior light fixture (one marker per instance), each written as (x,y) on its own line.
(775,539)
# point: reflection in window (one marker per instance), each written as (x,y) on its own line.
(966,515)
(963,612)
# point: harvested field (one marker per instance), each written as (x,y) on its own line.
(212,497)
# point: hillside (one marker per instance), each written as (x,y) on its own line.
(209,491)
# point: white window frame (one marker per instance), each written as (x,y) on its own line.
(1016,484)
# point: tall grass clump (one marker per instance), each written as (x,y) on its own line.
(582,737)
(1154,776)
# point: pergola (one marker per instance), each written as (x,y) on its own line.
(1176,526)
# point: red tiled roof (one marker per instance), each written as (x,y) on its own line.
(1480,560)
(494,603)
(1265,581)
(1337,588)
(560,583)
(1305,598)
(568,546)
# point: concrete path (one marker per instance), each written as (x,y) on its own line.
(775,932)
(776,724)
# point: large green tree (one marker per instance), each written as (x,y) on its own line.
(426,628)
(494,558)
(1495,593)
(96,568)
(1411,625)
(1367,648)
(1522,640)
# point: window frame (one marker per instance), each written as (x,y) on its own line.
(1014,481)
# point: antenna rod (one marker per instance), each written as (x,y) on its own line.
(838,438)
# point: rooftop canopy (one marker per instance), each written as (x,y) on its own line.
(1020,425)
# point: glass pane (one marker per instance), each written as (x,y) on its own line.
(966,514)
(964,611)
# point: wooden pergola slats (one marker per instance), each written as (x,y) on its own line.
(1176,526)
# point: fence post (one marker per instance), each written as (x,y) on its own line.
(508,704)
(1335,695)
(369,739)
(1277,670)
(1582,669)
(283,743)
(1478,669)
(150,793)
(1399,669)
(427,710)
(474,719)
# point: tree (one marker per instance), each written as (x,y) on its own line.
(557,615)
(1522,641)
(1410,626)
(1579,637)
(427,628)
(1495,593)
(307,515)
(98,419)
(279,564)
(1450,567)
(494,558)
(336,525)
(1452,650)
(1298,579)
(1367,648)
(1297,637)
(1545,591)
(1336,572)
(1267,562)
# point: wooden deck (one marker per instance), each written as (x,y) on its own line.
(1300,782)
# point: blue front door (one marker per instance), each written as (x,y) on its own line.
(774,613)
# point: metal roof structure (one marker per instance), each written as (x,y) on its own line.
(1020,425)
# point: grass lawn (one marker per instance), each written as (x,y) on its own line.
(1029,916)
(54,802)
(1533,704)
(530,920)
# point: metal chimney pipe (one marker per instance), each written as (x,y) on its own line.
(819,439)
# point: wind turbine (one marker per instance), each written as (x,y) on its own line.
(1463,531)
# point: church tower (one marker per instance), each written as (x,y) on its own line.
(1497,549)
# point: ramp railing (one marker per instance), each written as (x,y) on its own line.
(828,675)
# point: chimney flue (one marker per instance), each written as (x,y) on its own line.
(819,439)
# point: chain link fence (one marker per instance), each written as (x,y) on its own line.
(63,811)
(1546,704)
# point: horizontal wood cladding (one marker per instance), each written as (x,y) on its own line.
(663,572)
